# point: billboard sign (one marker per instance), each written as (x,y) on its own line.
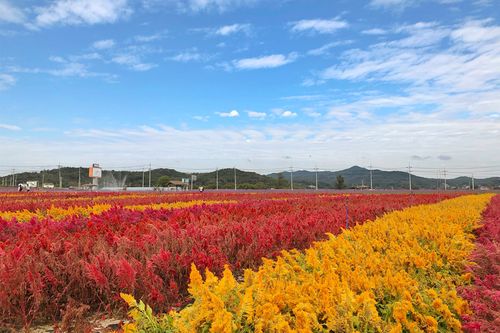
(95,171)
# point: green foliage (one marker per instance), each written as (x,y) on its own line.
(144,319)
(163,181)
(340,183)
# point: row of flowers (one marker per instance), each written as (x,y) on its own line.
(399,273)
(58,213)
(484,294)
(39,201)
(46,265)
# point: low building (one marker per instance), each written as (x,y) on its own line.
(32,183)
(178,185)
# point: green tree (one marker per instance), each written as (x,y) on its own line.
(163,181)
(281,180)
(340,183)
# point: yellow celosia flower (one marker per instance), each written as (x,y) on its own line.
(58,213)
(377,277)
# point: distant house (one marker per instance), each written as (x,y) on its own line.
(32,183)
(178,185)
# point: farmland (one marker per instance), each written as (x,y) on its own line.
(263,261)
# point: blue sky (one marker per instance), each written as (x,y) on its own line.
(257,84)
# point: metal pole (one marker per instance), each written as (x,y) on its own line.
(60,177)
(409,175)
(217,179)
(149,174)
(79,178)
(371,178)
(143,176)
(235,186)
(444,174)
(316,169)
(291,178)
(472,182)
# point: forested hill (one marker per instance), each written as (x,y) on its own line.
(354,176)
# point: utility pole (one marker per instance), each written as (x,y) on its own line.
(235,187)
(371,178)
(149,175)
(316,172)
(79,178)
(409,175)
(13,179)
(43,178)
(143,176)
(444,174)
(291,178)
(472,182)
(217,179)
(60,177)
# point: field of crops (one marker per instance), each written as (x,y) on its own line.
(269,261)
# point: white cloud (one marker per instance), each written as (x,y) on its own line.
(392,3)
(470,62)
(476,32)
(71,69)
(270,61)
(327,47)
(374,31)
(311,112)
(6,81)
(148,38)
(202,118)
(77,12)
(402,4)
(186,57)
(133,62)
(288,114)
(11,14)
(207,5)
(232,29)
(103,44)
(392,138)
(230,114)
(258,115)
(319,25)
(10,127)
(189,56)
(66,68)
(283,113)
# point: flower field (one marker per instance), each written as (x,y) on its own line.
(63,252)
(484,294)
(398,273)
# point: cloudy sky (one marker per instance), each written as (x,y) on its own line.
(256,84)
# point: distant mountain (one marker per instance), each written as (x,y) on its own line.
(355,176)
(113,178)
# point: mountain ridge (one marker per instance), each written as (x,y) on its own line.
(353,176)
